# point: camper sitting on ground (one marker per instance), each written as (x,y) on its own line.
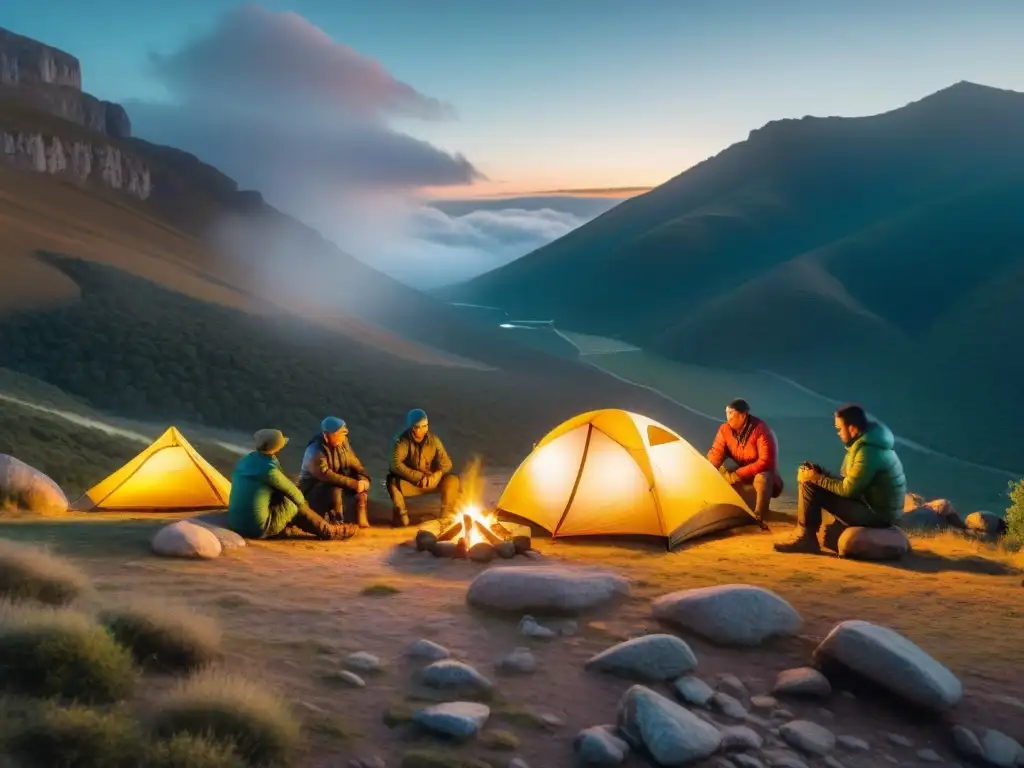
(332,477)
(264,502)
(419,465)
(747,441)
(869,492)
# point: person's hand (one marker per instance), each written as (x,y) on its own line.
(425,481)
(362,485)
(806,474)
(730,477)
(436,477)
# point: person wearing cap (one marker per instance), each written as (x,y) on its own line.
(751,445)
(333,479)
(419,465)
(264,503)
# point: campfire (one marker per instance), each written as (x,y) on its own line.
(475,534)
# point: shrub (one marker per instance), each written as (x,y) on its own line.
(30,573)
(233,710)
(77,737)
(1015,512)
(48,653)
(161,637)
(185,750)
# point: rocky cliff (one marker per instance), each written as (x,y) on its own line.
(80,160)
(50,80)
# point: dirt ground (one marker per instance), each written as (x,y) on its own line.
(291,610)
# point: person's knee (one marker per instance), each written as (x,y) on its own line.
(763,481)
(449,483)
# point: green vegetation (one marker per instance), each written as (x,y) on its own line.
(435,758)
(1015,512)
(162,637)
(62,654)
(256,723)
(502,741)
(30,573)
(380,589)
(77,737)
(185,750)
(136,349)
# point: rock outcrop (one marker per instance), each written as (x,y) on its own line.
(27,61)
(83,161)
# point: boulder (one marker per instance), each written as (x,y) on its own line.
(733,614)
(186,539)
(27,488)
(932,515)
(670,733)
(986,524)
(459,720)
(519,661)
(892,662)
(873,543)
(228,539)
(545,589)
(1001,750)
(649,657)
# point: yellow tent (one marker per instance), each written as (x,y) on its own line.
(168,475)
(616,472)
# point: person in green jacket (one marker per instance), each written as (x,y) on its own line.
(264,502)
(419,465)
(869,492)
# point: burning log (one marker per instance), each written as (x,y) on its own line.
(451,532)
(492,538)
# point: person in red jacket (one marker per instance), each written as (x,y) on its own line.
(749,442)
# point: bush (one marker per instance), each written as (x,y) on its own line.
(165,638)
(47,653)
(187,751)
(77,737)
(1015,512)
(30,573)
(256,723)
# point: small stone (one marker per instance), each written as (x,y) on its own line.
(363,662)
(568,628)
(481,552)
(450,674)
(343,676)
(552,721)
(456,719)
(506,550)
(368,762)
(729,706)
(782,758)
(693,691)
(899,740)
(928,756)
(782,714)
(967,744)
(808,737)
(654,657)
(763,702)
(825,714)
(425,540)
(521,544)
(528,626)
(1000,750)
(852,743)
(831,762)
(600,746)
(733,686)
(517,762)
(759,721)
(445,549)
(520,661)
(747,761)
(427,649)
(802,682)
(740,737)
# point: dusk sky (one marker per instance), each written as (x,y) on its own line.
(464,98)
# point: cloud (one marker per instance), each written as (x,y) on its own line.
(274,102)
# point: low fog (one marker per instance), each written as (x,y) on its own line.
(311,128)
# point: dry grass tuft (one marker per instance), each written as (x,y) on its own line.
(433,758)
(380,589)
(32,573)
(185,750)
(258,724)
(166,638)
(77,737)
(47,653)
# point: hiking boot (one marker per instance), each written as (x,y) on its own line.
(399,518)
(342,531)
(803,541)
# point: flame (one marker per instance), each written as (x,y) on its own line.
(476,514)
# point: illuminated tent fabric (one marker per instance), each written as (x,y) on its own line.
(614,472)
(168,475)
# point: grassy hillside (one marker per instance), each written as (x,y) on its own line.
(136,349)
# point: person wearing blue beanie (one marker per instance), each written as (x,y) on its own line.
(332,478)
(419,465)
